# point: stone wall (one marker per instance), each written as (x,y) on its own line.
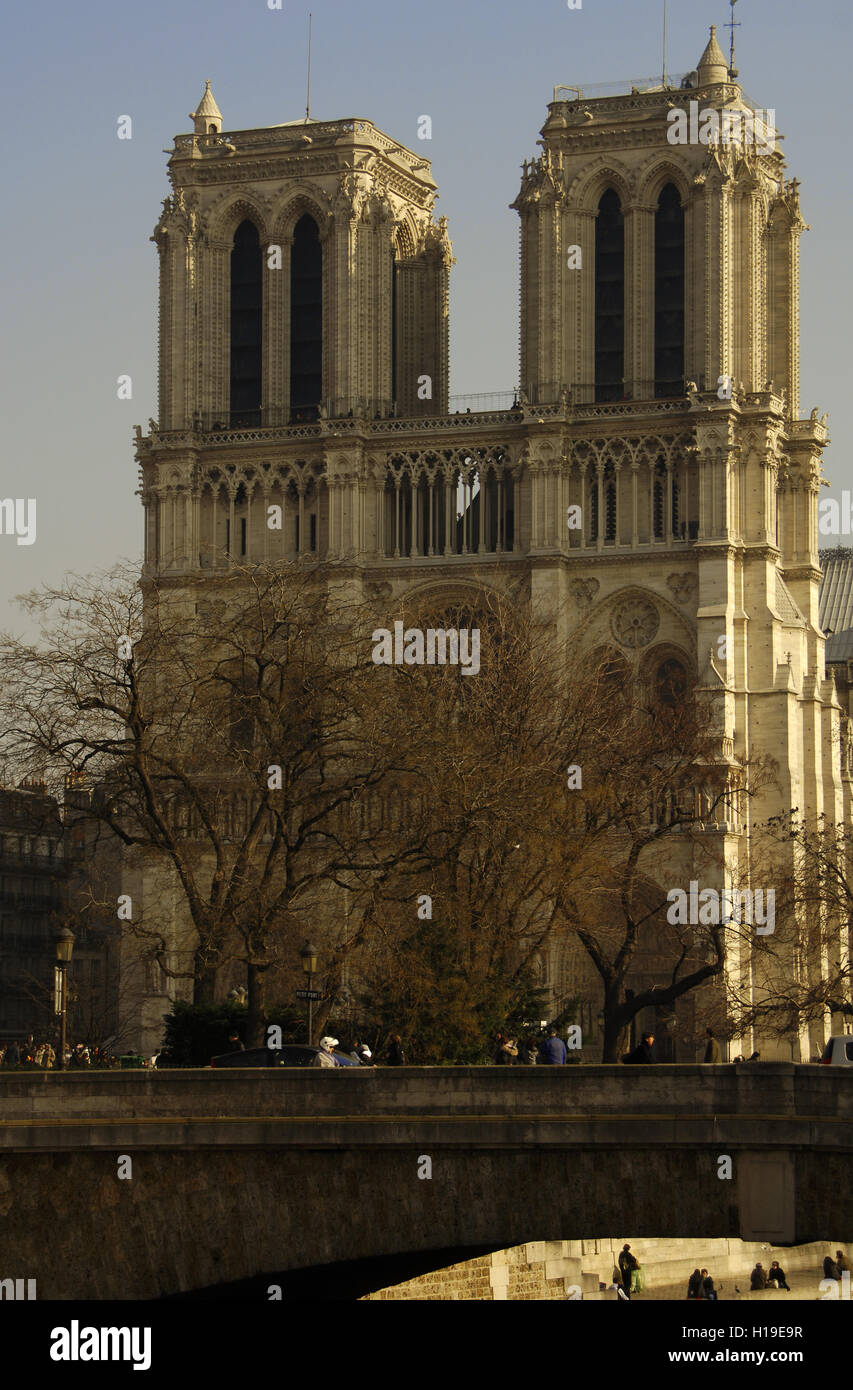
(537,1270)
(547,1270)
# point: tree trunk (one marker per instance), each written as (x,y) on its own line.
(616,1022)
(256,1017)
(204,984)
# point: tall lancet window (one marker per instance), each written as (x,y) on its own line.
(246,321)
(609,299)
(669,293)
(306,320)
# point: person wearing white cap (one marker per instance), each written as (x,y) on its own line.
(324,1057)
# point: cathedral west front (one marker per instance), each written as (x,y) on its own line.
(652,488)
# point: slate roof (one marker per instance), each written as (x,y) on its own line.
(836,590)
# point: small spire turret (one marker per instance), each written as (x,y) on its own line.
(712,67)
(208,117)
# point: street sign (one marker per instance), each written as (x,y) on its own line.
(307,994)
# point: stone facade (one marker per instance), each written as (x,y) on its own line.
(651,492)
(33,894)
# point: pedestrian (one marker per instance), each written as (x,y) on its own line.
(395,1056)
(830,1268)
(364,1055)
(708,1290)
(234,1041)
(841,1262)
(324,1057)
(506,1051)
(694,1285)
(758,1277)
(627,1264)
(528,1052)
(13,1055)
(712,1047)
(776,1275)
(48,1057)
(553,1050)
(642,1054)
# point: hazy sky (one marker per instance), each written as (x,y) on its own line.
(79,274)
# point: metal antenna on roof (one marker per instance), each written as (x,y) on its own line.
(732,24)
(663,79)
(308,100)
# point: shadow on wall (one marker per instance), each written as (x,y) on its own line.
(345,1282)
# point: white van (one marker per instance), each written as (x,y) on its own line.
(838,1052)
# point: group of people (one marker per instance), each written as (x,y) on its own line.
(834,1268)
(530,1051)
(32,1054)
(772,1278)
(701,1285)
(393,1056)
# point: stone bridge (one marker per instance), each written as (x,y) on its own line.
(238,1174)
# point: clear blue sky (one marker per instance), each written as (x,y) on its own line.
(79,273)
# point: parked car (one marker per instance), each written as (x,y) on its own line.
(838,1051)
(292,1055)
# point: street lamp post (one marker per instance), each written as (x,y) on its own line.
(308,956)
(64,946)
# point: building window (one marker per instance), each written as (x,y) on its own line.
(609,299)
(306,320)
(670,682)
(246,326)
(659,500)
(609,505)
(669,294)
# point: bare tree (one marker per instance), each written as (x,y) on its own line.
(222,742)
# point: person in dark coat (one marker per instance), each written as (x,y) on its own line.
(642,1054)
(776,1275)
(13,1055)
(708,1290)
(395,1056)
(830,1268)
(712,1047)
(627,1264)
(758,1278)
(528,1051)
(694,1285)
(234,1041)
(841,1262)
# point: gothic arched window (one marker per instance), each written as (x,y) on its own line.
(609,299)
(593,510)
(670,682)
(306,320)
(669,293)
(246,322)
(659,500)
(609,504)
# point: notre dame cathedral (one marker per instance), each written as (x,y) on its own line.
(652,488)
